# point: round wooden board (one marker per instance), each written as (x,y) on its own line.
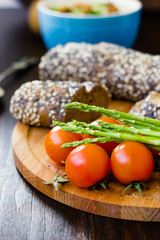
(35,166)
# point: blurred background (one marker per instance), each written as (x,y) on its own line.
(151,10)
(148,29)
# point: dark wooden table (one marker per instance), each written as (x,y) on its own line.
(25,213)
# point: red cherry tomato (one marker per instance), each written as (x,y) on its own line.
(55,139)
(132,161)
(108,146)
(86,165)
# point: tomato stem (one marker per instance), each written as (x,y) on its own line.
(57,179)
(136,185)
(102,183)
(128,186)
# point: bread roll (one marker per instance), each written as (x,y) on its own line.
(127,73)
(149,107)
(136,109)
(40,102)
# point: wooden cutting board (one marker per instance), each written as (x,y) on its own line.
(35,166)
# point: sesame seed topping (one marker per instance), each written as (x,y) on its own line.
(127,73)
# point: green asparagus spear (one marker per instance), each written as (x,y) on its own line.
(137,124)
(90,140)
(104,126)
(120,136)
(123,128)
(111,113)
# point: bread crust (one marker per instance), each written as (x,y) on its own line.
(127,73)
(40,102)
(149,107)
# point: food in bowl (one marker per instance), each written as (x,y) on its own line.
(83,8)
(62,27)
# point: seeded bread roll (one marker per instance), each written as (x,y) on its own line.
(40,102)
(136,108)
(78,62)
(149,107)
(127,73)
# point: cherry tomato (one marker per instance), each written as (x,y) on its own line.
(132,161)
(86,165)
(108,146)
(55,139)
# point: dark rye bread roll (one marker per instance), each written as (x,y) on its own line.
(78,62)
(40,102)
(149,107)
(136,108)
(127,73)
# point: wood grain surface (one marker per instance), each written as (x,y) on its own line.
(26,213)
(35,166)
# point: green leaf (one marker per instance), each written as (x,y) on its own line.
(77,10)
(95,12)
(144,185)
(63,180)
(48,182)
(58,179)
(128,186)
(103,185)
(53,9)
(55,183)
(138,187)
(93,187)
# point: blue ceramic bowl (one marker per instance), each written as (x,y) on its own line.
(61,28)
